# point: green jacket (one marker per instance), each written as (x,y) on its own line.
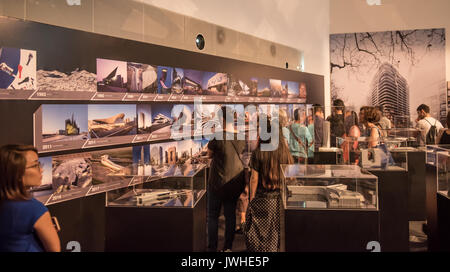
(304,135)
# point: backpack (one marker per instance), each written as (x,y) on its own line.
(430,138)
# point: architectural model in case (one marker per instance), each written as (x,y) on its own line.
(384,153)
(180,185)
(329,187)
(333,196)
(158,197)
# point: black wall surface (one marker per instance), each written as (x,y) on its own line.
(66,50)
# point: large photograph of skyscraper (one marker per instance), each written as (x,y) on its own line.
(396,69)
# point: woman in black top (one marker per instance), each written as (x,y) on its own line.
(262,228)
(444,137)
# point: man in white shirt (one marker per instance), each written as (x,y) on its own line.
(425,121)
(384,122)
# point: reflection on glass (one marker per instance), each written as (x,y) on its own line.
(329,187)
(443,166)
(433,150)
(383,153)
(158,198)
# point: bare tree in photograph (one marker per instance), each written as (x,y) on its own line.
(372,68)
(361,51)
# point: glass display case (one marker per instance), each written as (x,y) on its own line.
(432,151)
(169,186)
(329,187)
(329,155)
(410,135)
(443,166)
(385,154)
(401,121)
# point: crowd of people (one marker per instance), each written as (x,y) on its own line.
(262,217)
(26,225)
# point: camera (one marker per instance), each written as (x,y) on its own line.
(200,41)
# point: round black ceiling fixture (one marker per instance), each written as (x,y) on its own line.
(200,41)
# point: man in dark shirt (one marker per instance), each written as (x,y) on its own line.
(318,126)
(336,120)
(226,181)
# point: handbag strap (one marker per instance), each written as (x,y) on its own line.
(297,138)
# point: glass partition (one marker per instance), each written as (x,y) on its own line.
(386,154)
(433,150)
(443,166)
(329,187)
(410,135)
(170,186)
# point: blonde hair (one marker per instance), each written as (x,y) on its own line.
(282,115)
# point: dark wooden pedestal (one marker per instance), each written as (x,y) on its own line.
(161,229)
(330,230)
(81,220)
(325,157)
(443,222)
(393,206)
(416,186)
(431,207)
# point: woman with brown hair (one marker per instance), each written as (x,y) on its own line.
(371,118)
(262,227)
(352,133)
(25,223)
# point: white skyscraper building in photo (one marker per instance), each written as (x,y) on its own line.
(391,90)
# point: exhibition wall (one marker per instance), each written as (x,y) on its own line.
(244,30)
(93,104)
(69,51)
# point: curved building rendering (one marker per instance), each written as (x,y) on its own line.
(390,90)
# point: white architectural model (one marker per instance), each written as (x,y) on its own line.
(333,196)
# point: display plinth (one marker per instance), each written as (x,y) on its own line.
(333,230)
(329,208)
(416,183)
(327,156)
(436,181)
(443,199)
(393,201)
(81,220)
(166,214)
(148,229)
(431,206)
(443,221)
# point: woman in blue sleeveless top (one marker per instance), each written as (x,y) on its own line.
(372,116)
(25,223)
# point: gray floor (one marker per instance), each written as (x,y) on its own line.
(239,242)
(417,238)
